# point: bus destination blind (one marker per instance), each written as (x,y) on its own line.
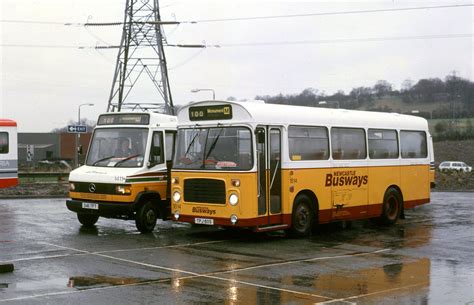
(204,113)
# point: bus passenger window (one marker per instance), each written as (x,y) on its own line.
(308,143)
(348,143)
(383,144)
(4,143)
(413,144)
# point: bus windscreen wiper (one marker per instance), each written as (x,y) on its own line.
(192,142)
(213,145)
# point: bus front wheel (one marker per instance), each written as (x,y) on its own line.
(87,220)
(146,218)
(302,219)
(392,207)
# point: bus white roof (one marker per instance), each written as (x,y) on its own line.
(275,114)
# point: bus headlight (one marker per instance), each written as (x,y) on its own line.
(176,215)
(72,187)
(233,199)
(123,189)
(176,196)
(233,219)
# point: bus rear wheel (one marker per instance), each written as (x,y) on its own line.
(87,220)
(146,218)
(302,219)
(392,207)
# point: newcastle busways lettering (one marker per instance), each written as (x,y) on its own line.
(346,178)
(204,210)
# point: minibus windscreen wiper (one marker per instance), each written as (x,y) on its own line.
(103,159)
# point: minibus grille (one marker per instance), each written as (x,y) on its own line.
(204,191)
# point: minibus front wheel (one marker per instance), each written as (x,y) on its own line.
(87,220)
(302,219)
(146,217)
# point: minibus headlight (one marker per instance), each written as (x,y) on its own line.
(176,196)
(233,199)
(233,219)
(72,187)
(123,189)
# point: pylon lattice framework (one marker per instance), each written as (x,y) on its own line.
(141,54)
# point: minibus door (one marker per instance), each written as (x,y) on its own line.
(269,174)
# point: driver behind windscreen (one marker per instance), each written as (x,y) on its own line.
(123,150)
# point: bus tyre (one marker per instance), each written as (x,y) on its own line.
(302,219)
(87,220)
(392,207)
(146,218)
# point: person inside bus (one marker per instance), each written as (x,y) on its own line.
(123,150)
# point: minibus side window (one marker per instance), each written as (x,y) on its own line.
(4,143)
(156,151)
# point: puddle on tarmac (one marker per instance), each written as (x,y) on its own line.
(81,282)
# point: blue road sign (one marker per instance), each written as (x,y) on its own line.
(76,129)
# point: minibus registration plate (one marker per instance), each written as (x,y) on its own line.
(204,221)
(90,206)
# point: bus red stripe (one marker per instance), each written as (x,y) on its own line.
(8,182)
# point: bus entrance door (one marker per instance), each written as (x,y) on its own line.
(269,174)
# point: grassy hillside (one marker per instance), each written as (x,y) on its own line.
(397,105)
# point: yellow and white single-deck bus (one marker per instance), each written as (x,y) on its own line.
(271,167)
(126,170)
(8,153)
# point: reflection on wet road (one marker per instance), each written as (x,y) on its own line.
(424,259)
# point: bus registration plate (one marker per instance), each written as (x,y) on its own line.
(90,206)
(204,221)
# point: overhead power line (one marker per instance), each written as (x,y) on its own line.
(268,43)
(346,40)
(331,13)
(247,18)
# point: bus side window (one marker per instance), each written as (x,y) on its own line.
(4,143)
(156,151)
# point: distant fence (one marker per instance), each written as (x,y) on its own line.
(43,177)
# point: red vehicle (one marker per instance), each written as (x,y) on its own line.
(8,153)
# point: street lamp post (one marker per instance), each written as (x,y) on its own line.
(78,135)
(213,92)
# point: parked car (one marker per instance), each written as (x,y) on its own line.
(454,166)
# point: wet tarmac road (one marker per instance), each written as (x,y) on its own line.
(424,259)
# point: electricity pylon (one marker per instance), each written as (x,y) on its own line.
(141,55)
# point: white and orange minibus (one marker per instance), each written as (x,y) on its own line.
(126,172)
(8,153)
(271,167)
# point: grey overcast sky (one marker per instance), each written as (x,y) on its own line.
(44,78)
